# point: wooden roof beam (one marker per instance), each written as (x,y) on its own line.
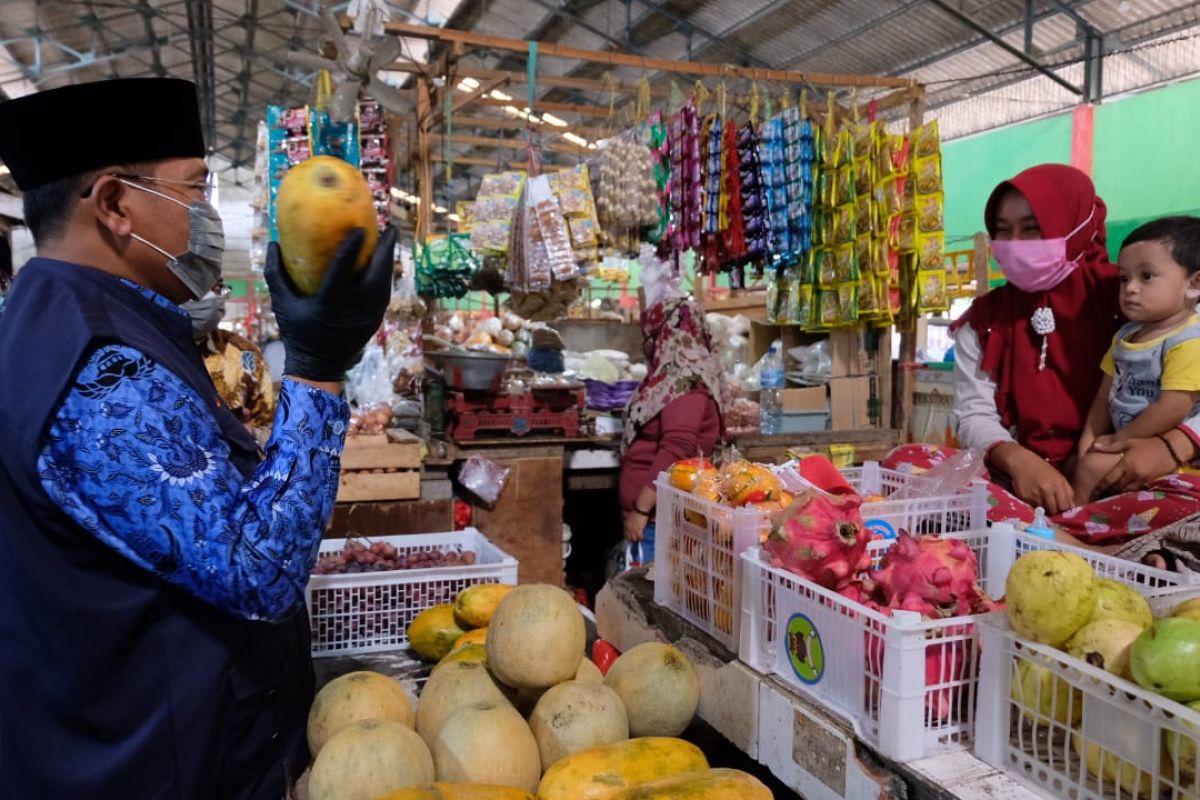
(617,59)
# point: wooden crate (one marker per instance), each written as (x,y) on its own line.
(380,467)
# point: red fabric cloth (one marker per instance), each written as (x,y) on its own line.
(1048,408)
(1112,520)
(687,427)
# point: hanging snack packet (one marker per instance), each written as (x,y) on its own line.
(845,263)
(929,212)
(864,213)
(864,251)
(825,266)
(830,314)
(867,303)
(926,141)
(862,176)
(931,250)
(848,303)
(844,225)
(927,172)
(933,294)
(907,241)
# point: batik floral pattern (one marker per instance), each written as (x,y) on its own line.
(136,458)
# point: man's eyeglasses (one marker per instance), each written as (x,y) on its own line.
(202,188)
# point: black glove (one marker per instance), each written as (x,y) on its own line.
(324,333)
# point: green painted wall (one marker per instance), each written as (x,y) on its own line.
(1144,160)
(974,165)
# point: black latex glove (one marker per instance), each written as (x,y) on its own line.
(324,333)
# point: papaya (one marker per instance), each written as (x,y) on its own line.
(459,791)
(713,784)
(473,636)
(434,631)
(475,605)
(469,652)
(602,773)
(320,201)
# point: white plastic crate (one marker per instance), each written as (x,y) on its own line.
(697,542)
(1094,736)
(907,685)
(368,612)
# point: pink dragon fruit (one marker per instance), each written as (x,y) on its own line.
(822,538)
(933,576)
(946,665)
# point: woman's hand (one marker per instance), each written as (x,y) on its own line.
(1035,480)
(1142,461)
(635,526)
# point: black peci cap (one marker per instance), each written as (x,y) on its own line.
(64,132)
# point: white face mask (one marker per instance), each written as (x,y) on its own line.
(199,268)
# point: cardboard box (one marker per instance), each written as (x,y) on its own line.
(850,358)
(850,403)
(810,399)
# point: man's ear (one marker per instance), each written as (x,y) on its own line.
(109,203)
(1193,290)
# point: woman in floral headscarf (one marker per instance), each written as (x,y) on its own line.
(675,412)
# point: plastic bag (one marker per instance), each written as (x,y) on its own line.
(950,477)
(815,363)
(484,478)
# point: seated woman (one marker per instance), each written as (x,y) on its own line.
(676,411)
(1027,363)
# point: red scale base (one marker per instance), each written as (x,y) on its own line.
(545,412)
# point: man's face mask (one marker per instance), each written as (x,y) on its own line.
(206,313)
(199,268)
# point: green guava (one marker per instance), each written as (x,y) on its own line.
(1166,658)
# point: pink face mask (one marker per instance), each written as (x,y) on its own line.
(1036,265)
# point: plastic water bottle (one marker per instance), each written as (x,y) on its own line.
(771,383)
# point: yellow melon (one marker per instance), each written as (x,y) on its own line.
(352,697)
(370,758)
(450,687)
(526,699)
(487,743)
(536,637)
(576,716)
(320,201)
(659,687)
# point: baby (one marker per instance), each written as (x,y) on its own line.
(1152,371)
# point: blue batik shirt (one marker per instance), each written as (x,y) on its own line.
(136,459)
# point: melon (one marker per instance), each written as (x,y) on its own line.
(526,699)
(487,743)
(370,758)
(536,637)
(602,773)
(575,716)
(460,791)
(450,687)
(475,605)
(320,201)
(434,631)
(659,687)
(352,697)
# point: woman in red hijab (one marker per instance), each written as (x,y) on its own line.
(1027,361)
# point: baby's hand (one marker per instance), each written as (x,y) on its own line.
(1103,443)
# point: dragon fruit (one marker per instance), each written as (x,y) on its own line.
(946,665)
(822,538)
(932,576)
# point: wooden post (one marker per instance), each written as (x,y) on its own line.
(424,163)
(908,338)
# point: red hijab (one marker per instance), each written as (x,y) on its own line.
(1048,407)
